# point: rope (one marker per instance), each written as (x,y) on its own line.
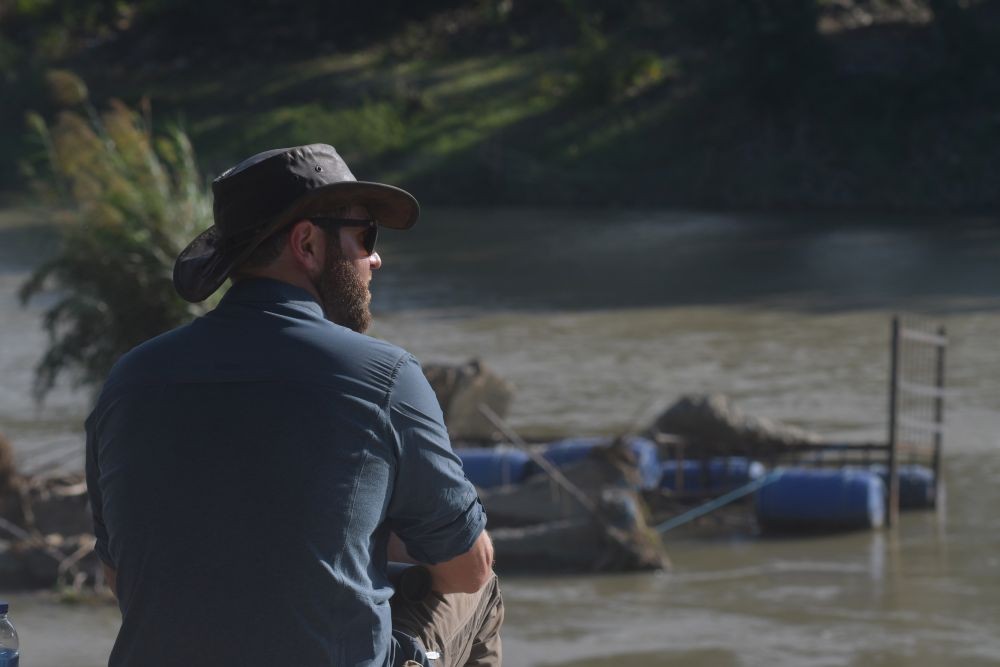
(721,501)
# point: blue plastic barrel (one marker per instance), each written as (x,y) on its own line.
(808,499)
(718,474)
(917,486)
(491,467)
(565,452)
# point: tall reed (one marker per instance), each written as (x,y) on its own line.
(135,200)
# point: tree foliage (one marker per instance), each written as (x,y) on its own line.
(136,201)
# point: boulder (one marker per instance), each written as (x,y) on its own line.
(712,422)
(8,470)
(13,571)
(582,544)
(539,499)
(460,390)
(48,526)
(540,525)
(54,504)
(53,559)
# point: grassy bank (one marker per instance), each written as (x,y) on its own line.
(877,116)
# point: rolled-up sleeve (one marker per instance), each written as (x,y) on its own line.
(434,508)
(94,494)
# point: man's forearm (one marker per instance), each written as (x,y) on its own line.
(466,573)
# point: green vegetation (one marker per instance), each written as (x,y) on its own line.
(875,104)
(136,201)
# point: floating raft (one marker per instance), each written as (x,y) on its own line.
(788,499)
(715,475)
(495,467)
(577,506)
(917,486)
(562,453)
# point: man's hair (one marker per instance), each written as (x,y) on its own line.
(271,248)
(268,251)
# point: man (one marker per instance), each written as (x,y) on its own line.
(251,473)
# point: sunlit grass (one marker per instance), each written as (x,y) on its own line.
(420,122)
(369,129)
(281,79)
(403,116)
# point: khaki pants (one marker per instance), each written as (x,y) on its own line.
(463,628)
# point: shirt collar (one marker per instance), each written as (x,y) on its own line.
(268,290)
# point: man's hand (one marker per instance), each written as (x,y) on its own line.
(466,573)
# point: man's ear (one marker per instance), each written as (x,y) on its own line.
(307,246)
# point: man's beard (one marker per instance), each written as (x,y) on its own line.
(342,292)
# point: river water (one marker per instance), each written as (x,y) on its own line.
(602,318)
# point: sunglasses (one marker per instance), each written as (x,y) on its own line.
(371,229)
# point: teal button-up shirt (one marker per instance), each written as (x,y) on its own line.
(245,471)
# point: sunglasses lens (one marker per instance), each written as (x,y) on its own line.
(370,233)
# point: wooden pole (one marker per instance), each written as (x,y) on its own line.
(892,502)
(615,533)
(939,410)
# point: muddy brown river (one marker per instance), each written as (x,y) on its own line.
(599,317)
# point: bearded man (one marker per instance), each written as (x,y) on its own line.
(253,472)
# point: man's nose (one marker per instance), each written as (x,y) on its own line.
(375,260)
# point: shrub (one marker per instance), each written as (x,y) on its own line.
(135,201)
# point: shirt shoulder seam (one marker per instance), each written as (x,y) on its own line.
(403,358)
(386,417)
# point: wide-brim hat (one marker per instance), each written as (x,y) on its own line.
(265,193)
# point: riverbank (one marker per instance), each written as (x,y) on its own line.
(464,108)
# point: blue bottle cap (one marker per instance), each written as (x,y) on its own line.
(3,607)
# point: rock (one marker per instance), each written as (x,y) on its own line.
(460,389)
(11,509)
(41,563)
(539,525)
(539,499)
(49,523)
(10,487)
(582,544)
(8,470)
(712,422)
(13,572)
(44,562)
(58,504)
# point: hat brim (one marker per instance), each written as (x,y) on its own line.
(207,261)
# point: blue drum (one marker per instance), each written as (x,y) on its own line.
(821,500)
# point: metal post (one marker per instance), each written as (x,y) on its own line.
(939,408)
(892,506)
